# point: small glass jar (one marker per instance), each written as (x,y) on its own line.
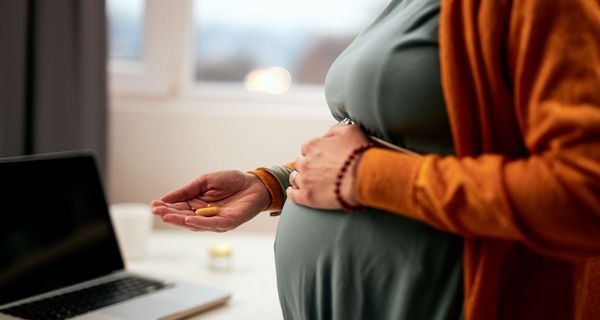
(219,257)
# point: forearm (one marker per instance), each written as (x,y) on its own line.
(549,202)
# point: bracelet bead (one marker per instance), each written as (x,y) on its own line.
(340,176)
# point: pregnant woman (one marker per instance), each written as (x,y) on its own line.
(495,214)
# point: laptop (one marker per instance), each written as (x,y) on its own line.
(59,257)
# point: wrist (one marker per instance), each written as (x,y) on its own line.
(349,186)
(269,188)
(265,197)
(345,179)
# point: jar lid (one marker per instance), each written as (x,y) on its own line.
(220,250)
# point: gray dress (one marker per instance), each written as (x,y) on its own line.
(377,265)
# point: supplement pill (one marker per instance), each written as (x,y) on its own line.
(207,212)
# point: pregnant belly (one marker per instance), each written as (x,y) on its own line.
(333,264)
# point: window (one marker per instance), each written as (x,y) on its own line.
(270,44)
(126,27)
(266,46)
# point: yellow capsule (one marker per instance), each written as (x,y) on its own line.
(207,212)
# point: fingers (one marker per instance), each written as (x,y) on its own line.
(332,130)
(215,223)
(298,164)
(291,195)
(312,198)
(311,145)
(336,130)
(182,214)
(305,163)
(176,205)
(164,210)
(171,219)
(186,192)
(304,197)
(308,146)
(160,207)
(293,177)
(179,220)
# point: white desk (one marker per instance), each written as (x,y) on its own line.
(251,280)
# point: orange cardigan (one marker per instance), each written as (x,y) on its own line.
(521,80)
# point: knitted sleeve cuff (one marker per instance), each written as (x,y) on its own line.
(276,180)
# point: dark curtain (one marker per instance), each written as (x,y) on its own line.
(53,77)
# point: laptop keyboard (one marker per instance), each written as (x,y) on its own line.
(84,300)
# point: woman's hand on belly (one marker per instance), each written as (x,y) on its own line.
(238,196)
(313,183)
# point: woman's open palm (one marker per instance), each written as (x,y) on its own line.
(239,196)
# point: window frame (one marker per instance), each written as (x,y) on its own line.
(154,75)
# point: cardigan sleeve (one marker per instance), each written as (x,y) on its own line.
(548,199)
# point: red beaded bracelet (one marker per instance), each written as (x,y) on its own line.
(340,176)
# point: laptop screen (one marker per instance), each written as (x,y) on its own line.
(55,229)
